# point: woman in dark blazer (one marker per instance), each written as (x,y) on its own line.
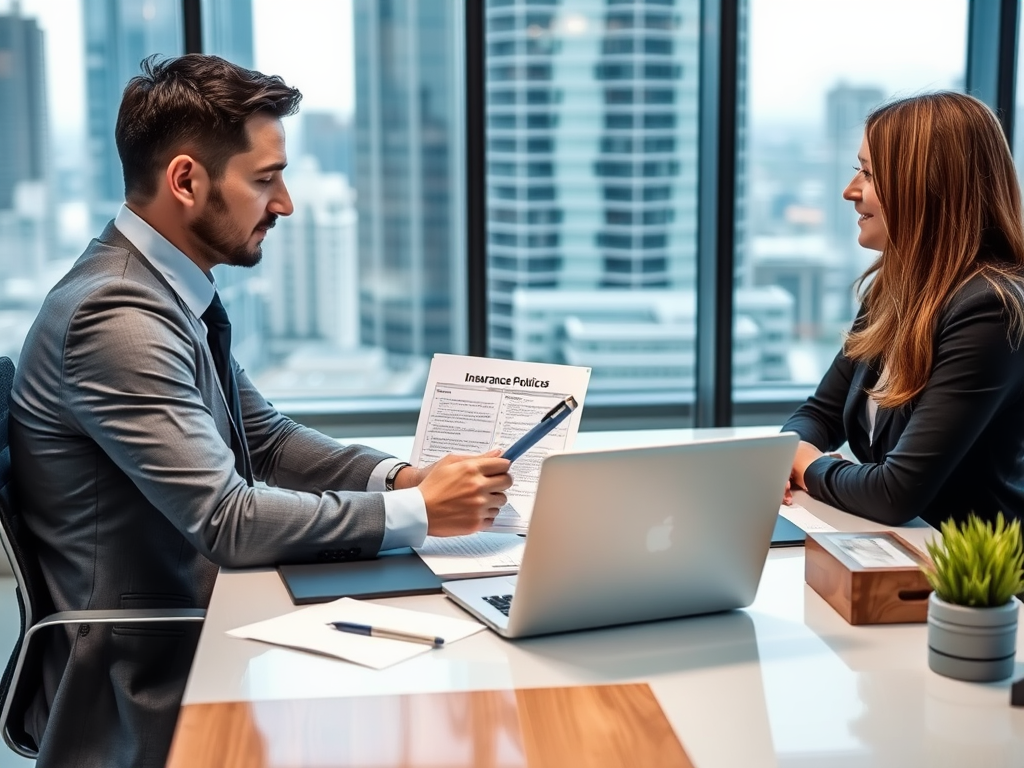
(929,386)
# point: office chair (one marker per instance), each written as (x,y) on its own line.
(23,675)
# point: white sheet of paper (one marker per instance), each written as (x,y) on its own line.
(474,404)
(479,554)
(308,630)
(803,519)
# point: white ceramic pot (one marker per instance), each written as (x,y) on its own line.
(977,644)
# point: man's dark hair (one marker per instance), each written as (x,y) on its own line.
(195,104)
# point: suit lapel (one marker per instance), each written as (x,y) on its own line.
(882,420)
(864,379)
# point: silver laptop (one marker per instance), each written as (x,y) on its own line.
(639,534)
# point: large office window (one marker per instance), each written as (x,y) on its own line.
(591,190)
(813,71)
(63,65)
(591,115)
(366,280)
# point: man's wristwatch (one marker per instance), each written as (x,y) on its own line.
(389,481)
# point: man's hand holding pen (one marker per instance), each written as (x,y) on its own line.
(462,493)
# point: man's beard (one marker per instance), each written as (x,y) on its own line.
(214,231)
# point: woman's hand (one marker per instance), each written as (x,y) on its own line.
(805,455)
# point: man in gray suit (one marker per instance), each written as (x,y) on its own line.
(136,439)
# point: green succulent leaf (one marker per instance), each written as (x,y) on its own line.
(977,564)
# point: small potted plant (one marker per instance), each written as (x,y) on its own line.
(976,571)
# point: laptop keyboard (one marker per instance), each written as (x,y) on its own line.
(501,602)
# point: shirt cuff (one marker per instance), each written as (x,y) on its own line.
(380,473)
(405,519)
(405,512)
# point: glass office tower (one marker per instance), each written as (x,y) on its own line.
(592,116)
(227,30)
(118,35)
(25,207)
(228,33)
(591,184)
(409,178)
(846,107)
(23,127)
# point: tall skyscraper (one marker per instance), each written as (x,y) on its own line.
(328,138)
(846,108)
(641,151)
(24,133)
(592,146)
(409,177)
(227,30)
(119,34)
(26,214)
(228,33)
(311,264)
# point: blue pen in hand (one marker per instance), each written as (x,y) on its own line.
(551,419)
(388,634)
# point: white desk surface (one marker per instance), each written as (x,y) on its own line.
(786,682)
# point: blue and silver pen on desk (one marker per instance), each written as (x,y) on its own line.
(388,634)
(551,419)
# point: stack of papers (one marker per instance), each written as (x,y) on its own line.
(479,554)
(804,520)
(308,630)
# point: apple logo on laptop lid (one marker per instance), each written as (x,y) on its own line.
(659,537)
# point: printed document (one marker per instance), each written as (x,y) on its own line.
(804,520)
(478,554)
(474,404)
(308,630)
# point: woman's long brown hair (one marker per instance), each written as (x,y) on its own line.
(945,181)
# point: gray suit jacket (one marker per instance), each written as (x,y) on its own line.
(120,443)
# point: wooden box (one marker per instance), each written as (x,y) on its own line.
(869,578)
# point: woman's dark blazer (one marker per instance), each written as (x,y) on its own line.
(957,447)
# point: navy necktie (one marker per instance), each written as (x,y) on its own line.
(218,335)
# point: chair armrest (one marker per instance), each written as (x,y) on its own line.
(118,616)
(113,616)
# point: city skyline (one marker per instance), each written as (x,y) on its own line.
(591,176)
(282,42)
